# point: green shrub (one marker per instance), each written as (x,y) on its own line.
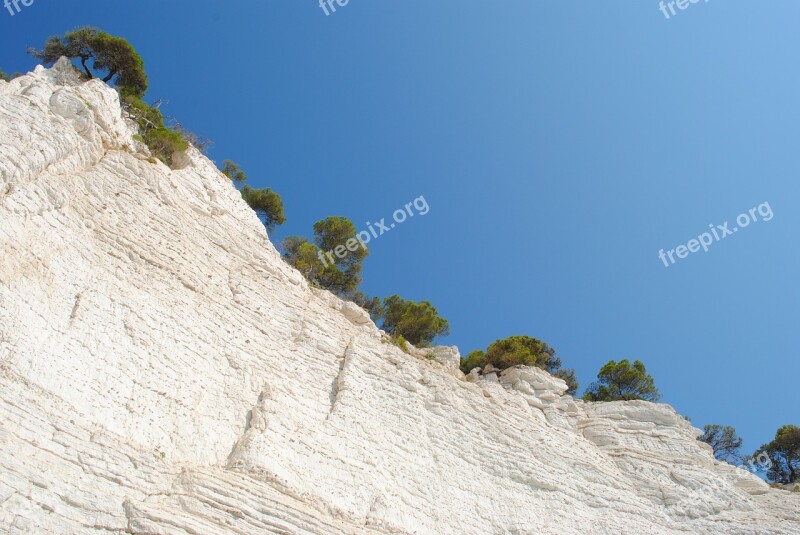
(164,143)
(232,170)
(400,342)
(7,78)
(475,359)
(521,350)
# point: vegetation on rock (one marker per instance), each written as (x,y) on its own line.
(784,454)
(417,322)
(622,381)
(267,204)
(114,58)
(7,78)
(724,441)
(233,171)
(521,350)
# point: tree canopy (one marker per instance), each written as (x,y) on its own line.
(267,204)
(334,261)
(303,256)
(724,441)
(784,452)
(114,59)
(417,322)
(342,255)
(620,381)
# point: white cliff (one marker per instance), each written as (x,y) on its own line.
(162,370)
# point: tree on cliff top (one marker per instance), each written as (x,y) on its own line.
(232,170)
(525,351)
(622,381)
(784,453)
(267,204)
(114,58)
(342,255)
(724,441)
(419,323)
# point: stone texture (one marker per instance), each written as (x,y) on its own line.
(162,370)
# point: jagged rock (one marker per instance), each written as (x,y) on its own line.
(162,370)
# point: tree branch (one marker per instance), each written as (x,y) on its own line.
(85,68)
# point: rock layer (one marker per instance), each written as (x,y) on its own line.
(162,370)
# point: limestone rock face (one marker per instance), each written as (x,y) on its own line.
(162,370)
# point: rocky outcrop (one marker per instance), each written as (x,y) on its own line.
(162,370)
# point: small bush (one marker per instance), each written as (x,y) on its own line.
(162,141)
(400,342)
(203,144)
(7,78)
(476,359)
(232,170)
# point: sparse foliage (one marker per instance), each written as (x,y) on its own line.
(401,342)
(7,78)
(203,144)
(162,141)
(372,305)
(569,377)
(620,381)
(724,441)
(234,172)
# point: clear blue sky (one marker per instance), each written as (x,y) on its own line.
(559,145)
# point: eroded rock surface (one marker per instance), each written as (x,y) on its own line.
(162,370)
